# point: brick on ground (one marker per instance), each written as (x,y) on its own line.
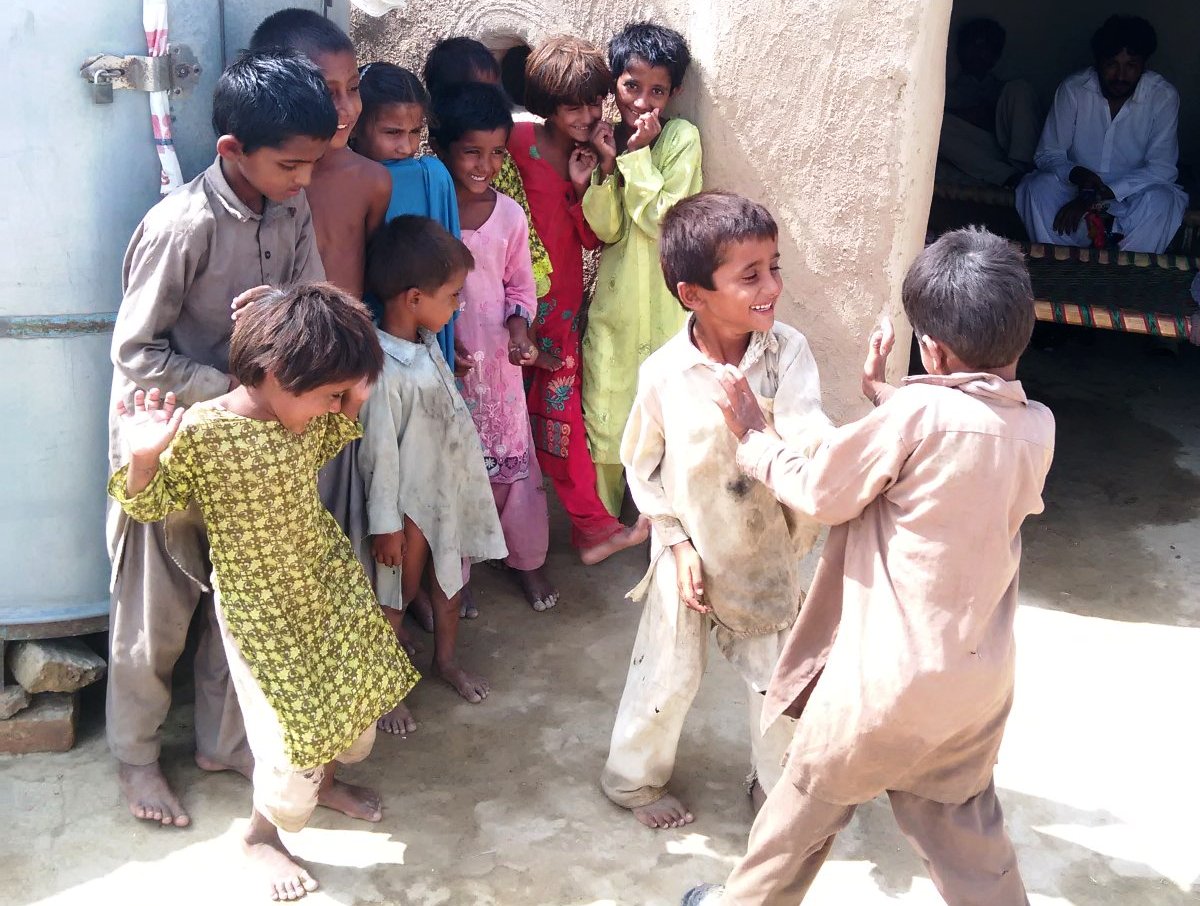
(47,725)
(54,665)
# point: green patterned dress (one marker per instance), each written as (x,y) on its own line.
(294,596)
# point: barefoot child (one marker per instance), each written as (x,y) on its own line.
(285,578)
(241,223)
(429,505)
(725,555)
(497,305)
(647,164)
(566,81)
(901,664)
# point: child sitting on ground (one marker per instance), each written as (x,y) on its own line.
(647,164)
(725,555)
(497,306)
(902,660)
(567,79)
(286,579)
(429,504)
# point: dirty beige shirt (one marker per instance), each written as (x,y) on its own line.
(190,256)
(680,460)
(905,643)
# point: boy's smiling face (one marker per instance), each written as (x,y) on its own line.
(475,158)
(340,70)
(576,120)
(642,88)
(747,284)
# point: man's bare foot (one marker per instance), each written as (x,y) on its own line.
(667,812)
(284,879)
(245,766)
(630,536)
(467,608)
(149,795)
(355,801)
(539,591)
(399,721)
(422,610)
(471,687)
(758,796)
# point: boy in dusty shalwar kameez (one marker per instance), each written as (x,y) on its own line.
(902,660)
(725,554)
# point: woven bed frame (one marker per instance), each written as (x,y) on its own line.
(1103,289)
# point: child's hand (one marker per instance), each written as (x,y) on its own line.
(604,143)
(879,347)
(739,405)
(689,577)
(645,131)
(354,398)
(150,426)
(583,161)
(463,363)
(388,549)
(521,348)
(241,300)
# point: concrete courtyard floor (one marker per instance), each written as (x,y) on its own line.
(498,803)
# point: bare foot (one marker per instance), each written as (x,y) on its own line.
(395,619)
(422,610)
(758,796)
(399,721)
(665,813)
(149,795)
(245,767)
(356,801)
(467,609)
(284,879)
(630,536)
(471,687)
(538,590)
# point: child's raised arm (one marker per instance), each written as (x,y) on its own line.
(148,429)
(874,381)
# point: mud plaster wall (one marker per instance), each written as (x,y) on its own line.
(826,111)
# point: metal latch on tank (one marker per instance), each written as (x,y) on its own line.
(176,72)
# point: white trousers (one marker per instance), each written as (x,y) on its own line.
(992,157)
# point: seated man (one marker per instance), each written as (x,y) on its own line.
(990,128)
(1110,142)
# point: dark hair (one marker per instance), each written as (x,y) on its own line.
(456,60)
(1130,33)
(656,45)
(466,108)
(308,336)
(697,230)
(988,31)
(411,252)
(970,290)
(263,99)
(565,71)
(381,84)
(512,72)
(300,31)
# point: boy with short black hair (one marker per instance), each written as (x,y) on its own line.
(725,555)
(243,222)
(901,665)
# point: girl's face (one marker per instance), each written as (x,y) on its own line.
(295,410)
(642,88)
(394,133)
(575,120)
(475,158)
(340,70)
(434,309)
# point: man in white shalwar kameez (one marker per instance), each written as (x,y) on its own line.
(1110,142)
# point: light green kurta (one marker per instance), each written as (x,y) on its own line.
(632,312)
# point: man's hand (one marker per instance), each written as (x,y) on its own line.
(689,577)
(739,405)
(1066,221)
(879,347)
(645,131)
(388,549)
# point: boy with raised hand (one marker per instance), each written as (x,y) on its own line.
(242,223)
(725,554)
(902,663)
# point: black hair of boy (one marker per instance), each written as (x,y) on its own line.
(1132,34)
(697,230)
(381,84)
(469,107)
(300,31)
(970,291)
(512,72)
(411,252)
(457,60)
(655,45)
(309,335)
(264,99)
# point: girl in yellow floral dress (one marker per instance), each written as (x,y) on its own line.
(312,659)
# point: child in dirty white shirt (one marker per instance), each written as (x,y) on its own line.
(725,554)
